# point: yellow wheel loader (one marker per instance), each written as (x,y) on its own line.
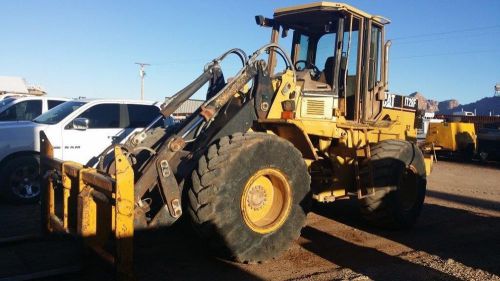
(313,124)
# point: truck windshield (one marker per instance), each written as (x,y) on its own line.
(58,113)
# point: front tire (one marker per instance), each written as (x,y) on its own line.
(20,179)
(250,196)
(399,181)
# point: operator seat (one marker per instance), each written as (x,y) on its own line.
(327,73)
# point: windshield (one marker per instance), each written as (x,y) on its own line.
(58,113)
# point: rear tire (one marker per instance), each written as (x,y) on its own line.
(250,196)
(399,180)
(20,179)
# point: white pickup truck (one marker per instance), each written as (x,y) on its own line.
(26,108)
(79,130)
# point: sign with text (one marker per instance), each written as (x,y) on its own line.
(397,101)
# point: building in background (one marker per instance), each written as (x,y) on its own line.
(13,85)
(10,85)
(186,108)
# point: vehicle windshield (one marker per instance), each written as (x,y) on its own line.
(58,113)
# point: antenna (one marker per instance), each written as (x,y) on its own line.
(142,73)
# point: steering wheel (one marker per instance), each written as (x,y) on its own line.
(315,73)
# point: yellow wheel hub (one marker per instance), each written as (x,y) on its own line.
(266,200)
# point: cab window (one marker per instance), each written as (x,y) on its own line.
(303,47)
(375,58)
(141,115)
(114,116)
(325,50)
(22,111)
(316,50)
(102,116)
(325,57)
(349,72)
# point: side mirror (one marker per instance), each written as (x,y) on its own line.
(263,21)
(284,33)
(81,124)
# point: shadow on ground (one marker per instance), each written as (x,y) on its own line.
(467,237)
(174,253)
(177,253)
(367,261)
(474,162)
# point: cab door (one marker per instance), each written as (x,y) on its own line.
(373,87)
(84,145)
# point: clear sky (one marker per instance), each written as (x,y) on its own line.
(442,48)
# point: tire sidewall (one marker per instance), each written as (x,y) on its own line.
(261,152)
(387,190)
(412,157)
(6,172)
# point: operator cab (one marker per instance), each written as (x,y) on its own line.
(337,51)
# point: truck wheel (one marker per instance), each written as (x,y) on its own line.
(399,181)
(20,180)
(250,196)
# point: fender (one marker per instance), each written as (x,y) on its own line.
(293,133)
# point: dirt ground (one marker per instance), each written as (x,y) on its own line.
(457,238)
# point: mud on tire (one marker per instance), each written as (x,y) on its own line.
(218,185)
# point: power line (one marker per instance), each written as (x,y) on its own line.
(178,61)
(446,38)
(447,32)
(447,54)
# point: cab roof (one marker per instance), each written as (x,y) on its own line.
(327,6)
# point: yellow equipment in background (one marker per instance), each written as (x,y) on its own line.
(452,137)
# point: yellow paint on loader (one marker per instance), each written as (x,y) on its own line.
(335,123)
(102,210)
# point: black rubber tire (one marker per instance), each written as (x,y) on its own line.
(468,152)
(12,167)
(218,184)
(398,169)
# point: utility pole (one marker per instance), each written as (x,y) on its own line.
(142,73)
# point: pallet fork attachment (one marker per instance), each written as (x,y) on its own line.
(98,208)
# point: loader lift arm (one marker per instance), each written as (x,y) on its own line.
(227,110)
(142,187)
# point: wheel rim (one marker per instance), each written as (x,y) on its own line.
(24,181)
(266,201)
(409,189)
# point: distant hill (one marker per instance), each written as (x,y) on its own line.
(482,106)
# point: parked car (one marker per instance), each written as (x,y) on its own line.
(79,130)
(22,108)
